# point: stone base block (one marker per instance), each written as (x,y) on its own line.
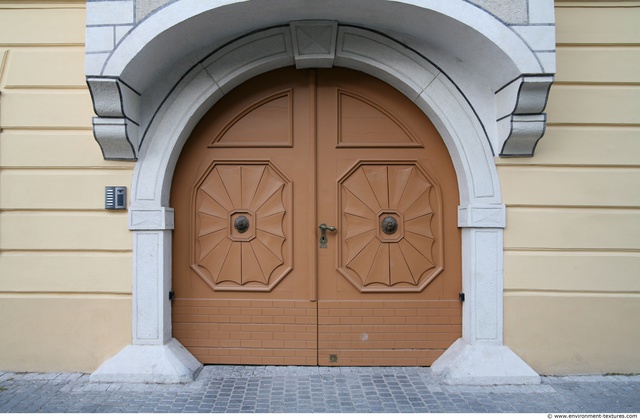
(163,364)
(469,364)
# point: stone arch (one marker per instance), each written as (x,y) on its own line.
(426,85)
(504,78)
(480,356)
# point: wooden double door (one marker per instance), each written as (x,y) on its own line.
(257,281)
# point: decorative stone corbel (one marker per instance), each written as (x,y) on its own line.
(521,121)
(116,128)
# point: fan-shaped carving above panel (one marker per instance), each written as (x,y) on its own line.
(266,123)
(391,232)
(363,123)
(241,224)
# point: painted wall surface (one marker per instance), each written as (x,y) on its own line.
(572,260)
(65,262)
(572,243)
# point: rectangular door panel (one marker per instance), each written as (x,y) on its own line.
(259,332)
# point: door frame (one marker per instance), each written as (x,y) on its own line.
(479,356)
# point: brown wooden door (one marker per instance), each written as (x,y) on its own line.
(271,161)
(390,277)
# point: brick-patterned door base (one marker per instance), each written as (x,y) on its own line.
(265,166)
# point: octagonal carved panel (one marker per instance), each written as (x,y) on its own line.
(391,227)
(241,223)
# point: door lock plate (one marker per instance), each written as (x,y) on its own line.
(323,234)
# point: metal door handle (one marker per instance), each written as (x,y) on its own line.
(323,234)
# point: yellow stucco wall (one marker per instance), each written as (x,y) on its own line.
(65,262)
(572,260)
(572,244)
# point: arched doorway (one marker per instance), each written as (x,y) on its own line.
(154,355)
(257,282)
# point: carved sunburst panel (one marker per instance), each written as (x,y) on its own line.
(391,227)
(240,225)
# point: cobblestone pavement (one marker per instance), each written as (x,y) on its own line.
(316,389)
